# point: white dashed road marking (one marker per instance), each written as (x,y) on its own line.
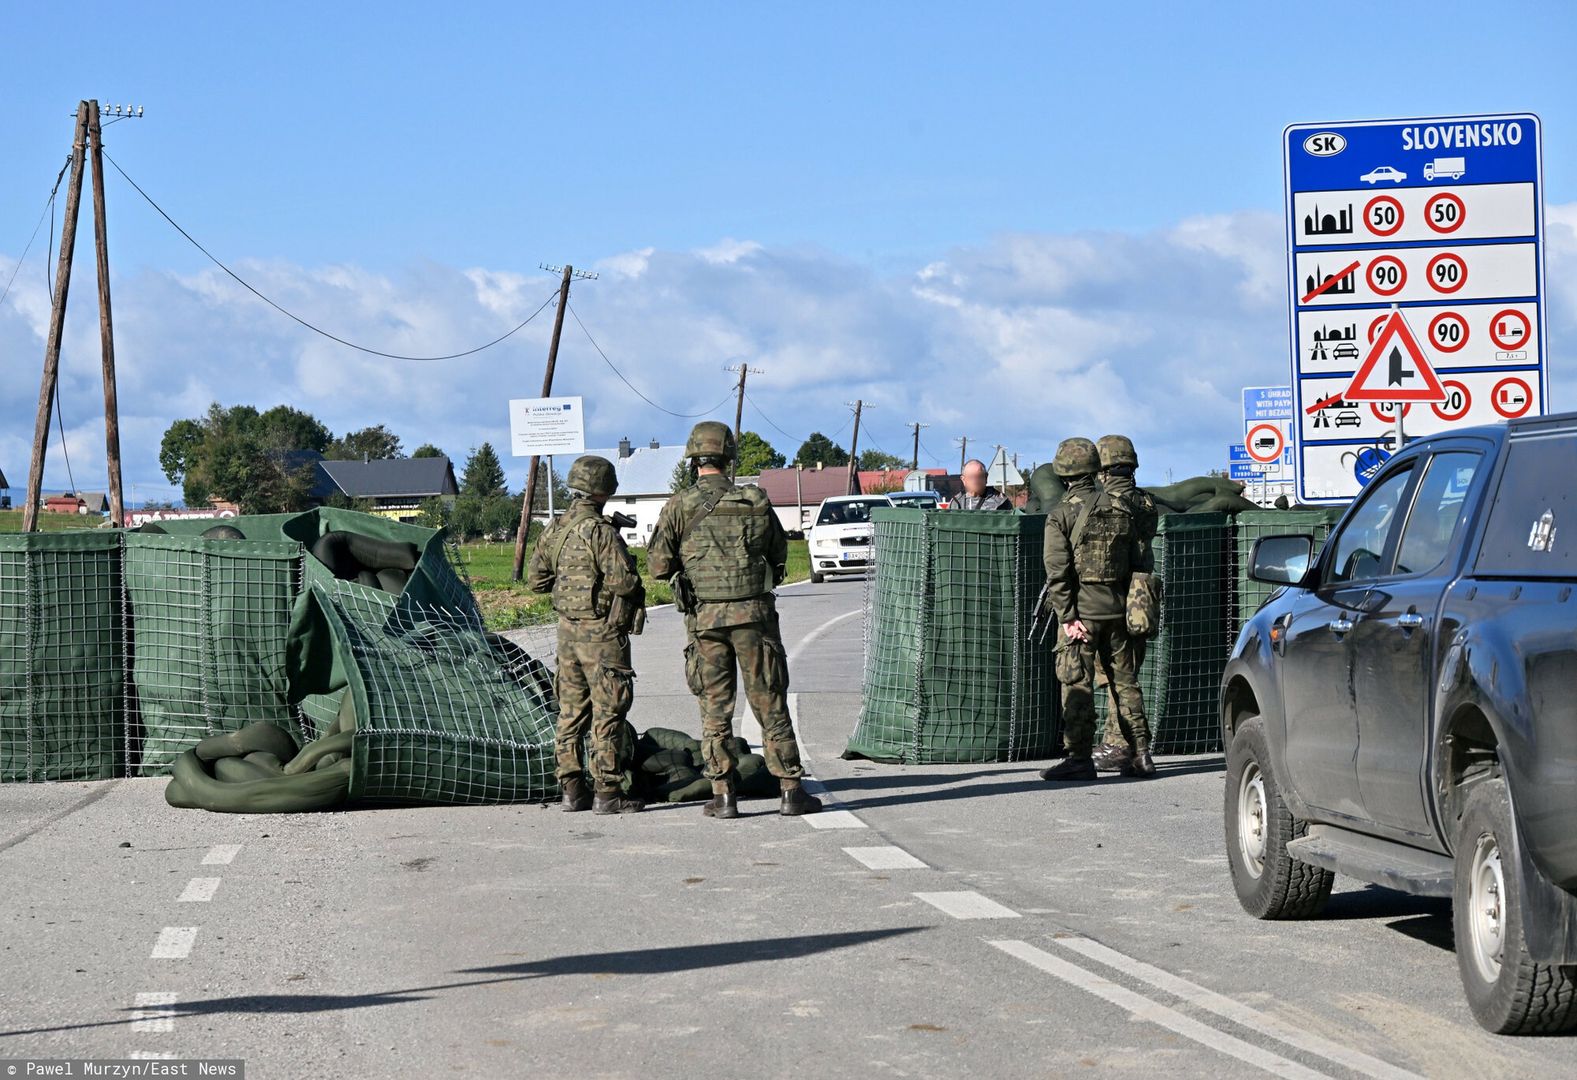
(199,890)
(834,819)
(967,905)
(175,943)
(155,1012)
(1142,1007)
(886,857)
(221,854)
(1236,1011)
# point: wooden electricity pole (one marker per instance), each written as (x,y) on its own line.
(739,411)
(106,323)
(854,448)
(547,391)
(916,457)
(963,451)
(57,323)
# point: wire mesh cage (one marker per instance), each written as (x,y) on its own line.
(1255,525)
(949,674)
(62,657)
(1181,675)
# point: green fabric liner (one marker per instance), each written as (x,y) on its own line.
(949,674)
(62,657)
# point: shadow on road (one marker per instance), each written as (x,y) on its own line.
(661,961)
(946,787)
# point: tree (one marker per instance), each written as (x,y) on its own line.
(876,460)
(483,475)
(820,450)
(285,428)
(239,455)
(682,476)
(427,450)
(755,454)
(375,443)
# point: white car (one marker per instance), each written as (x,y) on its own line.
(1384,172)
(917,500)
(840,540)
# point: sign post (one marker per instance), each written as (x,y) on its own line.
(1433,224)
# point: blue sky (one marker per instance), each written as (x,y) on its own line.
(937,206)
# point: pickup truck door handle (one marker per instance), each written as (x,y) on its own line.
(1340,625)
(1411,621)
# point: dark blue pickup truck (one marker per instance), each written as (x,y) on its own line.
(1404,711)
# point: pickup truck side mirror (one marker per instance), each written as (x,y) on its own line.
(1282,560)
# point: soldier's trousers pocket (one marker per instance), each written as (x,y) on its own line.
(775,668)
(692,669)
(1069,664)
(618,689)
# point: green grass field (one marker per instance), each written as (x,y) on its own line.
(508,605)
(11,522)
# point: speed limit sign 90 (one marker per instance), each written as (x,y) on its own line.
(1386,275)
(1457,403)
(1447,272)
(1448,332)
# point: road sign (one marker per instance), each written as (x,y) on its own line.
(1395,369)
(1265,443)
(1261,403)
(1442,218)
(547,426)
(1001,471)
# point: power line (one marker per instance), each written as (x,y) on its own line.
(786,435)
(297,318)
(49,205)
(612,367)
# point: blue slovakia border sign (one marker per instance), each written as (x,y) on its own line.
(1442,218)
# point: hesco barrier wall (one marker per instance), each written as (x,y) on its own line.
(1181,676)
(119,650)
(62,657)
(949,674)
(1254,525)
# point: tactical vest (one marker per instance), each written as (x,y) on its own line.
(1101,552)
(577,582)
(725,555)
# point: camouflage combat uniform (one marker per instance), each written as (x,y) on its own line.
(734,558)
(1089,583)
(1121,727)
(583,560)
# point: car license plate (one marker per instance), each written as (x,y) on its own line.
(853,555)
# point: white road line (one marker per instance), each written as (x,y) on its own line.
(221,854)
(833,819)
(886,857)
(1236,1011)
(747,727)
(1169,1018)
(810,638)
(155,1012)
(967,905)
(175,943)
(199,890)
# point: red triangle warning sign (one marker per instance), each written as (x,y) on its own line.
(1395,369)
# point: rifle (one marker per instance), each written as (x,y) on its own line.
(1043,622)
(621,520)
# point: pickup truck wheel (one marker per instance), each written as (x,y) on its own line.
(1270,883)
(816,579)
(1508,993)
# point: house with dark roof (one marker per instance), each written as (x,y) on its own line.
(5,492)
(396,487)
(797,493)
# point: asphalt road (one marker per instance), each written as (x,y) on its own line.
(946,921)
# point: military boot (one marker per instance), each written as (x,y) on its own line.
(796,800)
(616,802)
(576,795)
(1072,768)
(725,802)
(1140,765)
(1112,757)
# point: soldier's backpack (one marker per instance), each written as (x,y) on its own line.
(1103,539)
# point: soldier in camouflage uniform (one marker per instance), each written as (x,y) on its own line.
(725,551)
(1092,544)
(1120,749)
(583,561)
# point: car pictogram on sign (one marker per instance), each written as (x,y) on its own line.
(1384,172)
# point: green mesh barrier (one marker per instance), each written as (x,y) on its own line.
(949,673)
(1181,676)
(62,657)
(1255,525)
(209,623)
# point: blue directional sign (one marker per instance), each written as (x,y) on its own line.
(1266,403)
(1441,218)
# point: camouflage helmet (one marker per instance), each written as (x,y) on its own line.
(1076,457)
(1117,450)
(593,475)
(710,438)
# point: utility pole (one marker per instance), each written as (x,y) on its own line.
(739,408)
(89,134)
(569,272)
(854,445)
(963,451)
(106,323)
(57,323)
(916,457)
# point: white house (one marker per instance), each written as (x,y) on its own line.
(645,482)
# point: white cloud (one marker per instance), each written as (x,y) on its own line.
(1020,340)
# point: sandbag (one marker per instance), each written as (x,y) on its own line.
(393,581)
(664,762)
(234,770)
(313,751)
(349,554)
(260,736)
(659,738)
(1046,490)
(688,788)
(754,780)
(267,761)
(223,532)
(192,788)
(1224,504)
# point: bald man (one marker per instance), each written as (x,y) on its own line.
(977,494)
